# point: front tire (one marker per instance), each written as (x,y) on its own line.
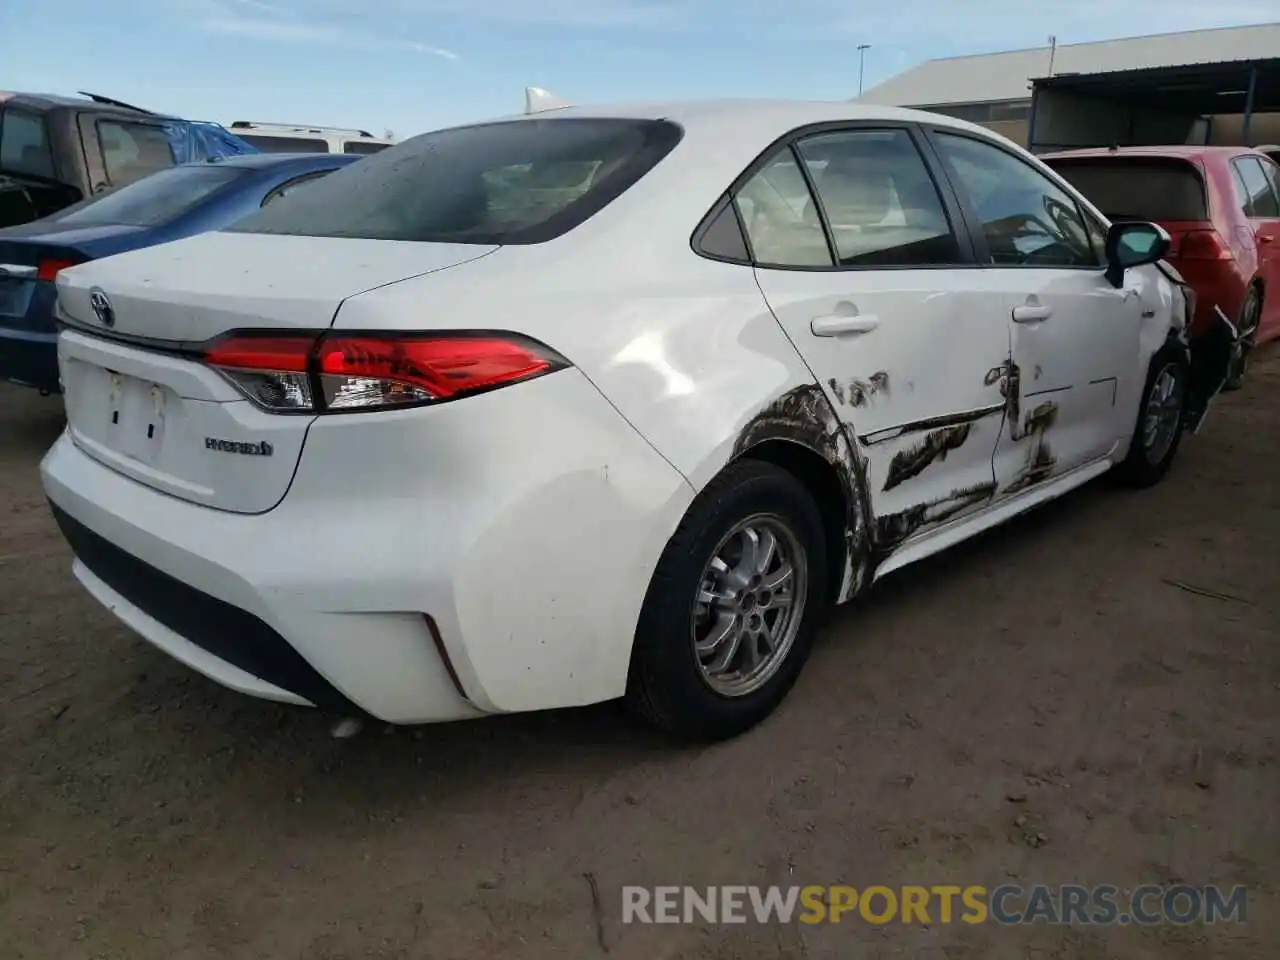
(728,619)
(1161,412)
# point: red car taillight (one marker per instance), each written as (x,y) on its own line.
(47,270)
(348,373)
(1203,245)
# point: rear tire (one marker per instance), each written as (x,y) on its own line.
(1247,326)
(701,667)
(1161,413)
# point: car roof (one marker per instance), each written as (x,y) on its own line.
(45,102)
(762,120)
(267,161)
(1179,151)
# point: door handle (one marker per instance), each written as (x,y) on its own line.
(837,323)
(1031,313)
(1265,238)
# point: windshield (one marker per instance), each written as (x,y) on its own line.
(1132,188)
(522,181)
(151,201)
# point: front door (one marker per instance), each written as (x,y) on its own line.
(880,296)
(1075,338)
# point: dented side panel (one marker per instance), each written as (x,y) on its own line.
(910,394)
(1068,387)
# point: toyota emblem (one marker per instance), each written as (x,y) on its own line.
(102,308)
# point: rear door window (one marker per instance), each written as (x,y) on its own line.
(131,151)
(521,181)
(1138,188)
(879,200)
(24,143)
(1258,198)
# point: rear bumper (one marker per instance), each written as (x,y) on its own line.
(435,564)
(29,359)
(186,617)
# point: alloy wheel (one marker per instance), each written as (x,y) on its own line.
(749,605)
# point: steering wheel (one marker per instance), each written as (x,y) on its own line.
(1018,226)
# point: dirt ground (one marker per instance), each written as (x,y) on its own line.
(1043,705)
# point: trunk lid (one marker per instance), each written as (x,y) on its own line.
(139,400)
(193,290)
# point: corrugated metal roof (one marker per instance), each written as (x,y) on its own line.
(1007,76)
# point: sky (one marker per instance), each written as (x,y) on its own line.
(414,65)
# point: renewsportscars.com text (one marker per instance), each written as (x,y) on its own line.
(1008,904)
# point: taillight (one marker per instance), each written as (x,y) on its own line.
(47,270)
(271,370)
(1203,245)
(347,373)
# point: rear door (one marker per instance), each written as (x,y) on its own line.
(1074,336)
(860,256)
(1261,195)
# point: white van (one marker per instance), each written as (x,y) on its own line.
(290,138)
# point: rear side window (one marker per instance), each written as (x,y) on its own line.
(782,222)
(24,143)
(286,144)
(521,181)
(1133,188)
(131,151)
(152,201)
(1257,199)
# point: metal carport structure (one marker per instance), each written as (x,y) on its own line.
(1156,105)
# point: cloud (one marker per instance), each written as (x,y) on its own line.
(262,20)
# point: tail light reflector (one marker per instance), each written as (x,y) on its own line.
(1203,245)
(346,373)
(47,270)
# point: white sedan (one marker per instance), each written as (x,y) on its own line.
(600,402)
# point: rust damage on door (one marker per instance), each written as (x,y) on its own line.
(804,415)
(1040,457)
(914,459)
(859,392)
(894,528)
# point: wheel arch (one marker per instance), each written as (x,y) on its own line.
(823,482)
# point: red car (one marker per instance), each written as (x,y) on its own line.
(1221,205)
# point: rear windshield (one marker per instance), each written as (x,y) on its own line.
(1138,189)
(151,201)
(521,181)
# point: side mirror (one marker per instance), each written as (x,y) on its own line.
(1132,244)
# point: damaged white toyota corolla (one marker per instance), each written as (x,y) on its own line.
(600,402)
